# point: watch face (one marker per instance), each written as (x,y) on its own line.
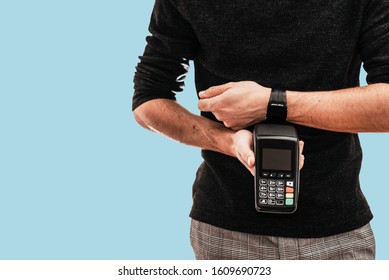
(276,113)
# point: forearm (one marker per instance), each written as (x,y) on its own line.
(361,109)
(170,119)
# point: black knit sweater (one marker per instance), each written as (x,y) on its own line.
(298,45)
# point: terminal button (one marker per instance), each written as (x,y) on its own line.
(288,201)
(280,195)
(271,202)
(263,182)
(263,195)
(272,182)
(289,190)
(289,195)
(272,195)
(263,201)
(279,202)
(265,174)
(280,183)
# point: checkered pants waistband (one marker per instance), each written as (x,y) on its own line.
(210,242)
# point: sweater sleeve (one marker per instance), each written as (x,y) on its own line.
(374,41)
(164,64)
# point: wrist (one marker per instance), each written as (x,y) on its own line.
(294,110)
(221,139)
(262,98)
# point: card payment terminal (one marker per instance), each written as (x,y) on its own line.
(277,174)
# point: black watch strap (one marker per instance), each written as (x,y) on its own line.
(277,108)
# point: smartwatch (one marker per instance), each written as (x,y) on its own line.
(277,109)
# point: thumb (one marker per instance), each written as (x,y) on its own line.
(247,155)
(251,159)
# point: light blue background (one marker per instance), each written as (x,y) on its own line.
(79,179)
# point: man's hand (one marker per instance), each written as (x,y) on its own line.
(237,105)
(243,148)
(360,109)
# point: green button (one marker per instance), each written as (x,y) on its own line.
(289,201)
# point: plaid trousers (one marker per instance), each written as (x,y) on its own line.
(214,243)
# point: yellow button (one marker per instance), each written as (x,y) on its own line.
(289,195)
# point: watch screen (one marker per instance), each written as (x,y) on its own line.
(276,159)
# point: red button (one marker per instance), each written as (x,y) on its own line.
(289,190)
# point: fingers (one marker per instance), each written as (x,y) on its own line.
(302,157)
(215,90)
(209,97)
(206,105)
(247,157)
(248,160)
(244,149)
